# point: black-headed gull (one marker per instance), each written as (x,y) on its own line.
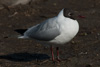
(11,3)
(57,30)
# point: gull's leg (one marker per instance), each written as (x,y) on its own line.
(52,53)
(58,53)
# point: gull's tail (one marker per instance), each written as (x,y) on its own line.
(22,37)
(21,31)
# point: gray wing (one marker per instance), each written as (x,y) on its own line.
(45,31)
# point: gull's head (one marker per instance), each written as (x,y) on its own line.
(69,13)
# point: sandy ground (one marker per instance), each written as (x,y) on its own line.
(82,51)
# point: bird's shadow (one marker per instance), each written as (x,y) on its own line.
(24,57)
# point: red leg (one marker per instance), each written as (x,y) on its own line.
(52,53)
(58,53)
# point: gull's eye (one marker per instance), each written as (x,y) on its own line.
(70,14)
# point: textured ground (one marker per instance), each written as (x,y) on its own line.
(82,51)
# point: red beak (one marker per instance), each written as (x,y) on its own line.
(81,16)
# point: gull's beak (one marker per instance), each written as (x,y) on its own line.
(80,16)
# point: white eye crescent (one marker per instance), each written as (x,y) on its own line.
(69,14)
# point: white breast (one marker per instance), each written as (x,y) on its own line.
(68,28)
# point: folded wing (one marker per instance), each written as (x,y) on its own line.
(45,31)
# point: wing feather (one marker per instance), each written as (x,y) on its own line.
(46,31)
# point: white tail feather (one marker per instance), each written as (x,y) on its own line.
(22,37)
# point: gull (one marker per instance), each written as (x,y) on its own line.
(10,3)
(55,31)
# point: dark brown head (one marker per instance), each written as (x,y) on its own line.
(71,14)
